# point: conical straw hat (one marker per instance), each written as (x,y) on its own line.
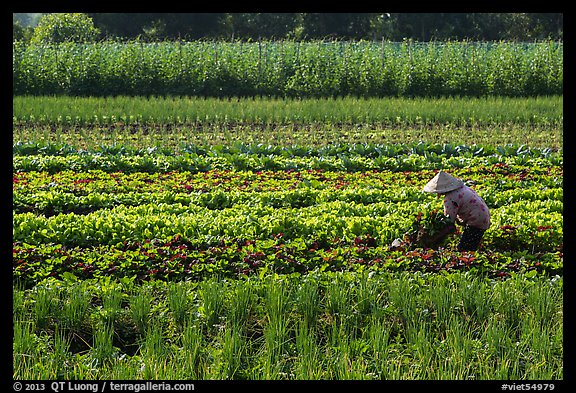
(442,183)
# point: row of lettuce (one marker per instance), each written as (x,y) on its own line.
(178,259)
(242,161)
(84,197)
(369,150)
(383,220)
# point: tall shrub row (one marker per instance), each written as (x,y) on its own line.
(289,69)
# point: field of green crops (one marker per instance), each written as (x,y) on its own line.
(290,69)
(196,238)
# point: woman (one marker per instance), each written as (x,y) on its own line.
(461,205)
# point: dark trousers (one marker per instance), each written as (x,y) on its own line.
(470,239)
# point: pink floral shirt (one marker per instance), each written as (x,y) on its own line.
(464,205)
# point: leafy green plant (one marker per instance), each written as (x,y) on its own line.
(179,303)
(45,302)
(55,28)
(75,309)
(212,304)
(140,308)
(103,348)
(425,227)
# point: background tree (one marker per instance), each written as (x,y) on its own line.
(122,25)
(440,26)
(155,26)
(259,25)
(64,27)
(336,25)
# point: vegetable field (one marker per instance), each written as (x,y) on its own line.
(249,238)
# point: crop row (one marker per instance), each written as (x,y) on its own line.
(179,138)
(194,162)
(370,150)
(67,192)
(178,259)
(540,171)
(322,325)
(289,69)
(54,202)
(383,220)
(119,111)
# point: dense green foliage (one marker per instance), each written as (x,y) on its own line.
(328,326)
(64,27)
(289,69)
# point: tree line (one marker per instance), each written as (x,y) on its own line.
(524,27)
